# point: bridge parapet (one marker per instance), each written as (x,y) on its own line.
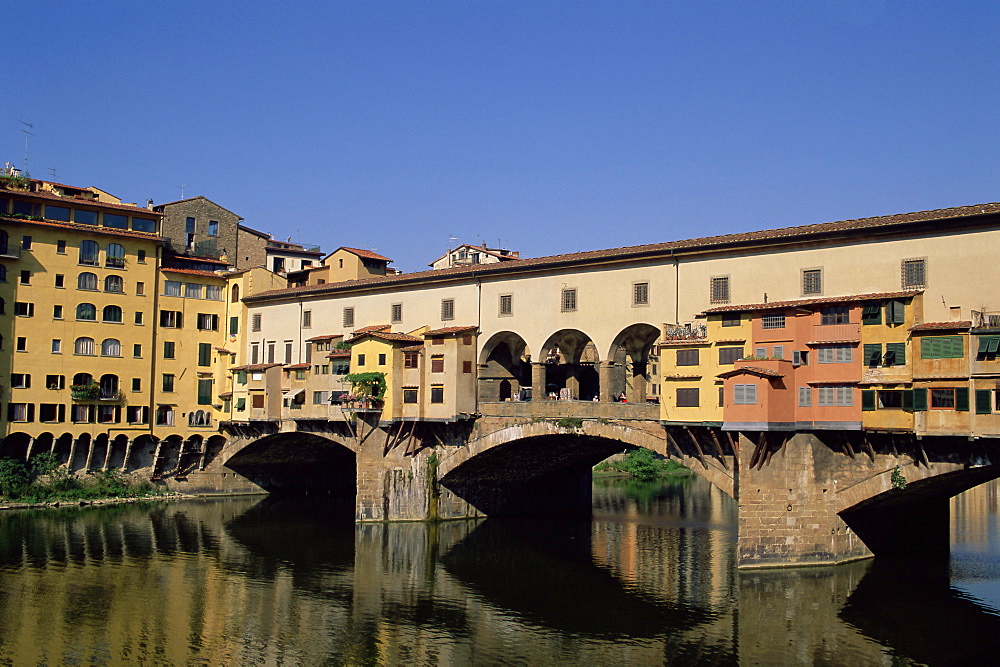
(581,409)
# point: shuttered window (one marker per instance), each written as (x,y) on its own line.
(984,401)
(745,394)
(204,392)
(687,357)
(988,347)
(687,398)
(805,397)
(873,354)
(895,312)
(871,313)
(204,354)
(895,354)
(941,347)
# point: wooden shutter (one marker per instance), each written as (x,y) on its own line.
(919,400)
(962,399)
(873,355)
(867,400)
(983,401)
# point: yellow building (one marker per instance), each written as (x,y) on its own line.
(78,292)
(690,361)
(887,361)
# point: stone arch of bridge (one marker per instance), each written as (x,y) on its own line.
(295,461)
(539,465)
(504,367)
(629,360)
(15,446)
(568,359)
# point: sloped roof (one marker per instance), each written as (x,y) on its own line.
(886,224)
(449,330)
(202,197)
(752,370)
(942,326)
(818,301)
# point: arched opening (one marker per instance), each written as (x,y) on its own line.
(234,294)
(118,448)
(505,368)
(298,463)
(15,446)
(42,444)
(190,455)
(569,363)
(168,456)
(78,453)
(142,453)
(631,355)
(98,452)
(62,447)
(213,447)
(109,387)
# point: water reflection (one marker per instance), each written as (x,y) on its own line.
(649,579)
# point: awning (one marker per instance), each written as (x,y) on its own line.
(292,393)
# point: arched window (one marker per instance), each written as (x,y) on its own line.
(83,379)
(234,295)
(199,418)
(86,311)
(112,314)
(114,256)
(109,386)
(114,284)
(90,253)
(111,347)
(86,280)
(84,345)
(165,415)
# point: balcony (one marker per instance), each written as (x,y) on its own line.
(10,251)
(836,333)
(109,395)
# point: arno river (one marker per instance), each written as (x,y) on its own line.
(648,579)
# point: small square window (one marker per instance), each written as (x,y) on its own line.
(61,247)
(568,301)
(506,304)
(914,273)
(60,280)
(719,289)
(447,309)
(437,394)
(812,281)
(397,313)
(640,294)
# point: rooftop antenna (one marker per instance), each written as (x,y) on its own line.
(52,170)
(27,132)
(181,186)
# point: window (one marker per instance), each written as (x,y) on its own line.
(835,396)
(895,312)
(812,281)
(137,351)
(254,353)
(189,225)
(411,359)
(437,363)
(640,294)
(988,348)
(300,374)
(213,292)
(204,354)
(321,397)
(835,315)
(87,312)
(51,412)
(25,240)
(270,352)
(349,317)
(257,401)
(234,325)
(873,355)
(568,301)
(111,347)
(204,392)
(171,288)
(171,319)
(871,313)
(136,384)
(805,397)
(941,347)
(361,360)
(381,360)
(60,213)
(137,414)
(164,415)
(116,221)
(21,345)
(288,352)
(914,273)
(137,319)
(307,319)
(20,380)
(241,404)
(687,357)
(719,290)
(772,321)
(57,312)
(687,398)
(111,314)
(409,395)
(760,352)
(169,349)
(886,399)
(168,382)
(25,277)
(447,309)
(745,394)
(942,398)
(778,352)
(84,217)
(213,227)
(140,255)
(895,354)
(25,309)
(20,412)
(506,304)
(3,271)
(397,313)
(729,355)
(82,414)
(437,394)
(114,284)
(192,290)
(835,354)
(114,256)
(55,381)
(731,320)
(255,321)
(87,281)
(84,345)
(60,247)
(208,322)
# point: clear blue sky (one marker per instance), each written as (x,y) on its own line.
(548,126)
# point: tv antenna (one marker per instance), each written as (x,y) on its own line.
(52,171)
(181,186)
(27,132)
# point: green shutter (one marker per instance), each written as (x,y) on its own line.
(204,354)
(919,400)
(234,326)
(942,347)
(895,354)
(204,392)
(241,404)
(962,399)
(984,401)
(873,354)
(895,312)
(867,400)
(871,314)
(908,400)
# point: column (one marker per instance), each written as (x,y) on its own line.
(538,377)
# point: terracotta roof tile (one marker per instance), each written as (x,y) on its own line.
(324,337)
(338,355)
(752,370)
(367,254)
(780,305)
(223,350)
(449,330)
(254,367)
(72,201)
(389,336)
(88,229)
(192,272)
(297,367)
(412,348)
(931,326)
(373,327)
(727,241)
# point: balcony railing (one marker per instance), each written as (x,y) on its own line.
(830,333)
(10,250)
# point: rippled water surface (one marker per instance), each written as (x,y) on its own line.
(649,578)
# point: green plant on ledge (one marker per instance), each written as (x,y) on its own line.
(370,384)
(570,422)
(85,392)
(897,478)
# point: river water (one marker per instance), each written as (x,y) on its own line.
(648,579)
